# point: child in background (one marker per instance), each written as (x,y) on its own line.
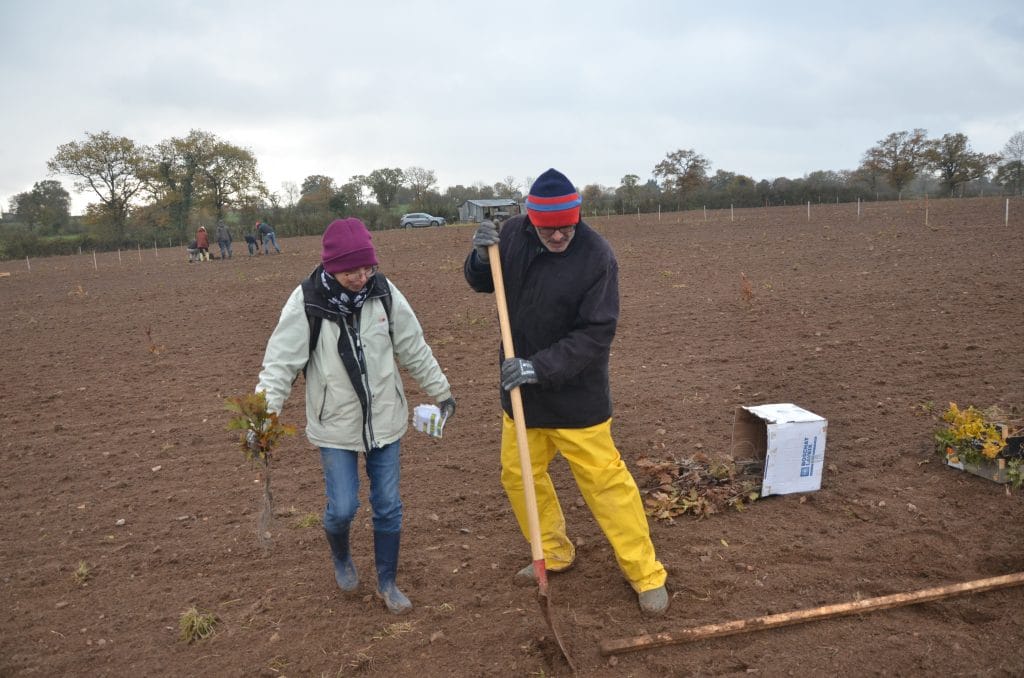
(250,242)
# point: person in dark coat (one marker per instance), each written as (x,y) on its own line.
(224,239)
(251,243)
(562,288)
(267,237)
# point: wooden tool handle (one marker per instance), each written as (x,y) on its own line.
(529,491)
(800,616)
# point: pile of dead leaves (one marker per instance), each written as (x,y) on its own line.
(696,485)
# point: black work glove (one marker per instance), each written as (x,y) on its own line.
(447,409)
(516,372)
(486,235)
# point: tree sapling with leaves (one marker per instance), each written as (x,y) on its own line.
(261,430)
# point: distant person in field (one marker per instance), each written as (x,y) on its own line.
(203,244)
(267,237)
(193,251)
(562,291)
(355,403)
(224,239)
(250,242)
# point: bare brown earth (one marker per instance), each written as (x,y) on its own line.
(875,323)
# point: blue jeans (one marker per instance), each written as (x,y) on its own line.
(268,240)
(341,482)
(225,249)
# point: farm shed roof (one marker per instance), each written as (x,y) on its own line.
(492,202)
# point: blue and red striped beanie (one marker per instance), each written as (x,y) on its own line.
(553,201)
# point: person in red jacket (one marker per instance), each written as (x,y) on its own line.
(203,244)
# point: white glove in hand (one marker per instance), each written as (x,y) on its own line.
(516,372)
(486,235)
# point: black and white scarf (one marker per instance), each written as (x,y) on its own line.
(339,299)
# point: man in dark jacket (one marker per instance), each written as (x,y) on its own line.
(267,236)
(561,285)
(224,239)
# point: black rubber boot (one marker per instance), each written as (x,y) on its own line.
(385,548)
(344,569)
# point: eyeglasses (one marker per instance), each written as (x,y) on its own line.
(359,273)
(565,231)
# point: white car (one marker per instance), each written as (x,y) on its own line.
(418,219)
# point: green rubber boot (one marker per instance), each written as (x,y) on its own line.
(385,549)
(344,569)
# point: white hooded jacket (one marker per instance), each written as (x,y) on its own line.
(334,416)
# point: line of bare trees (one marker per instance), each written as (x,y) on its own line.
(905,161)
(163,192)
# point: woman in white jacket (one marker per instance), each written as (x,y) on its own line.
(345,326)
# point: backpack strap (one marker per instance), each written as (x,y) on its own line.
(315,323)
(315,311)
(384,287)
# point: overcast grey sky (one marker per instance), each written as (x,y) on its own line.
(479,91)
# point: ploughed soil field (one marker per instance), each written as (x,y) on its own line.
(126,501)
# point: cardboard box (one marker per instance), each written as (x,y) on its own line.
(789,439)
(996,469)
(991,469)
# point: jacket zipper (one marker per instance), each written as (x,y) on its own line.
(363,374)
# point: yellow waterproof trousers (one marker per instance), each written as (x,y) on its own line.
(607,487)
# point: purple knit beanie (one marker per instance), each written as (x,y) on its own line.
(553,201)
(347,246)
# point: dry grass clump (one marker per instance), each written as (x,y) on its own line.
(195,625)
